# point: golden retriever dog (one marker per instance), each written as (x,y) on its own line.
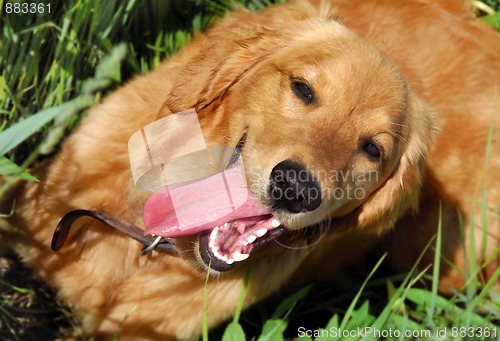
(355,123)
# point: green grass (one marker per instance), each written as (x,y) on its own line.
(54,67)
(385,304)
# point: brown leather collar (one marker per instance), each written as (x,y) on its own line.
(150,242)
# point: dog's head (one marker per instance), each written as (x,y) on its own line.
(331,129)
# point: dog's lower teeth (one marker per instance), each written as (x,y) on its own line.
(261,232)
(251,238)
(238,256)
(218,255)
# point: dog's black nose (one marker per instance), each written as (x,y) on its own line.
(293,188)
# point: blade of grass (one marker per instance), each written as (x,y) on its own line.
(9,168)
(290,302)
(398,298)
(484,202)
(471,286)
(492,281)
(13,136)
(122,322)
(234,331)
(243,294)
(204,321)
(424,298)
(273,330)
(493,20)
(436,267)
(350,310)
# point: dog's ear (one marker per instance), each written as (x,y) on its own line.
(221,57)
(215,69)
(400,193)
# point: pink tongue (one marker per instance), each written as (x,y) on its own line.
(188,208)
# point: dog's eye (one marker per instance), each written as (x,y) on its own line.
(372,150)
(302,90)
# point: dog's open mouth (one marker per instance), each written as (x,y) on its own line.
(220,207)
(234,241)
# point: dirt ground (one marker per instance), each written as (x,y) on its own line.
(28,308)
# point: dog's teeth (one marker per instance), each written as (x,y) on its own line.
(261,232)
(214,233)
(238,256)
(230,261)
(251,238)
(275,223)
(226,225)
(245,242)
(218,255)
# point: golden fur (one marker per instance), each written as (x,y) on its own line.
(424,80)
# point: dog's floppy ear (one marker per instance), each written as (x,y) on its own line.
(400,193)
(225,54)
(213,71)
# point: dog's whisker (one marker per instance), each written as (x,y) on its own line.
(399,124)
(398,136)
(311,234)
